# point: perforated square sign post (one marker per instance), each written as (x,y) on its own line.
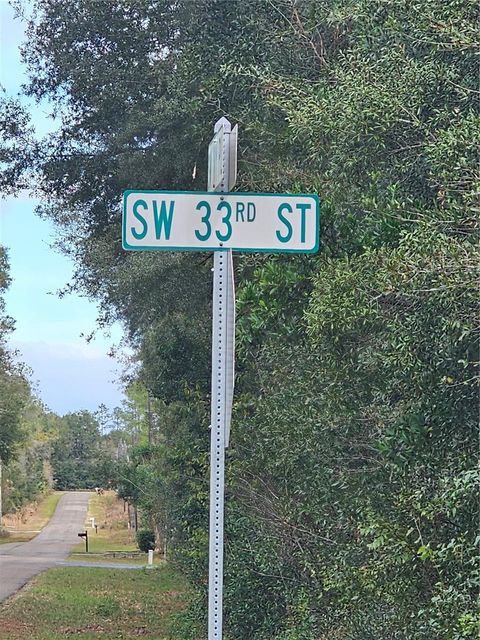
(222,222)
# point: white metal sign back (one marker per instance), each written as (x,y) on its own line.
(216,149)
(222,157)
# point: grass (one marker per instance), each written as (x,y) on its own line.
(92,603)
(100,604)
(25,524)
(101,544)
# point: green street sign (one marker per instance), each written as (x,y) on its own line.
(199,221)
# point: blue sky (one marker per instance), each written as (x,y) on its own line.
(69,373)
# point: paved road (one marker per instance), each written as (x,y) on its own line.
(21,561)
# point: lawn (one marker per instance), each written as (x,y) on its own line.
(25,524)
(100,604)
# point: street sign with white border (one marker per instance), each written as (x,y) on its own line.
(199,221)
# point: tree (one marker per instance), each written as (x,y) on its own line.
(14,390)
(17,146)
(349,511)
(25,427)
(76,454)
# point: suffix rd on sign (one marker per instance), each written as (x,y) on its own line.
(196,221)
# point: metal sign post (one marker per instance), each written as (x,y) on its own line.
(222,385)
(221,222)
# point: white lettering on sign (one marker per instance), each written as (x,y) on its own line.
(165,220)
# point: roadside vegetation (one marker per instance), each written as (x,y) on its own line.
(39,450)
(352,476)
(112,525)
(24,524)
(99,603)
(113,540)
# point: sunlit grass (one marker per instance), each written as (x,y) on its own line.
(92,603)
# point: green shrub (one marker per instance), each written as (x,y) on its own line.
(145,540)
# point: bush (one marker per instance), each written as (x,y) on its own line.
(145,540)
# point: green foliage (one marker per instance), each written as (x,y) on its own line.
(27,429)
(351,490)
(16,146)
(14,394)
(145,540)
(14,389)
(79,458)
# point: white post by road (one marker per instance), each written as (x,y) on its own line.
(222,385)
